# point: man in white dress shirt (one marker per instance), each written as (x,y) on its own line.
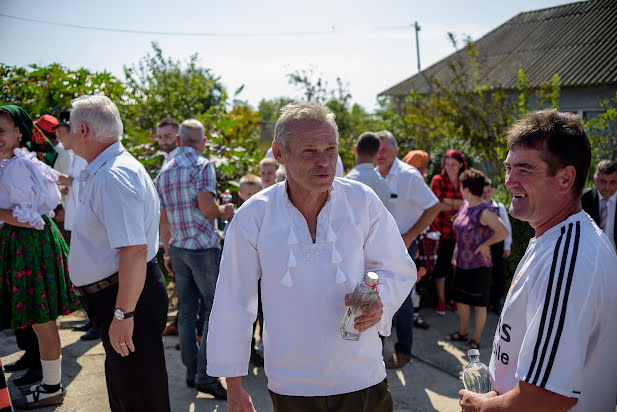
(113,258)
(414,207)
(366,149)
(309,240)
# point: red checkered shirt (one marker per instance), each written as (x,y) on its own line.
(443,188)
(427,253)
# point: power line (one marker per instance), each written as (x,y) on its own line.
(193,34)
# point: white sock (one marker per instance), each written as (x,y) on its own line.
(52,370)
(415,298)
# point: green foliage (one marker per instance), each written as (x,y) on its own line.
(233,145)
(521,234)
(467,111)
(50,89)
(603,133)
(155,88)
(523,88)
(472,115)
(269,109)
(548,93)
(161,87)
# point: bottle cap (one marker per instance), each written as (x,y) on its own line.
(473,352)
(371,278)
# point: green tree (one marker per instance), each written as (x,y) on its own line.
(603,134)
(270,109)
(50,89)
(468,108)
(160,87)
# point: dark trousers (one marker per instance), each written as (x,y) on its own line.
(498,285)
(137,382)
(444,271)
(376,398)
(27,341)
(403,319)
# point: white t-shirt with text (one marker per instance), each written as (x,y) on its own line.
(558,327)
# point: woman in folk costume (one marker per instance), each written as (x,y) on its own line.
(34,284)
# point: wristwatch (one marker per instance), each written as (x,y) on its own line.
(121,315)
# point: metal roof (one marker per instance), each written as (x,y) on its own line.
(577,41)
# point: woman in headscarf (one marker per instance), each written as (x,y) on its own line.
(34,284)
(446,187)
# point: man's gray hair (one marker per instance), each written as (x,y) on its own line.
(99,114)
(386,135)
(191,139)
(301,111)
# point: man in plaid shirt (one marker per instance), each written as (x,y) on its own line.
(187,189)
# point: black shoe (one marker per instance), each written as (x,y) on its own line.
(257,359)
(84,327)
(92,334)
(214,388)
(190,383)
(418,322)
(20,364)
(32,376)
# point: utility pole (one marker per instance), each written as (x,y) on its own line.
(428,82)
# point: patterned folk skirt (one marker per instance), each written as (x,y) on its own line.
(34,280)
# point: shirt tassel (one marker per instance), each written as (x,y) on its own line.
(340,276)
(331,236)
(287,281)
(292,239)
(291,263)
(336,257)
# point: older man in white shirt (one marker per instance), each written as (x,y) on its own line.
(414,207)
(310,240)
(113,258)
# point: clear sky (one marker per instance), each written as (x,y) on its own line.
(369,44)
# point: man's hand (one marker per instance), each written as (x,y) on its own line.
(485,251)
(121,336)
(506,254)
(421,273)
(370,317)
(65,180)
(227,211)
(167,264)
(471,401)
(238,400)
(64,190)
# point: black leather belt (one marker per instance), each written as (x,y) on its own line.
(103,284)
(97,286)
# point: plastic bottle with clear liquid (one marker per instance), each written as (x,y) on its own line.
(476,376)
(364,295)
(226,199)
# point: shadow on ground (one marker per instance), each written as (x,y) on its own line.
(428,383)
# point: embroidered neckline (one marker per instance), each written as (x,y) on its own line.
(325,239)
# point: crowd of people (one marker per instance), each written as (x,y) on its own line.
(304,236)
